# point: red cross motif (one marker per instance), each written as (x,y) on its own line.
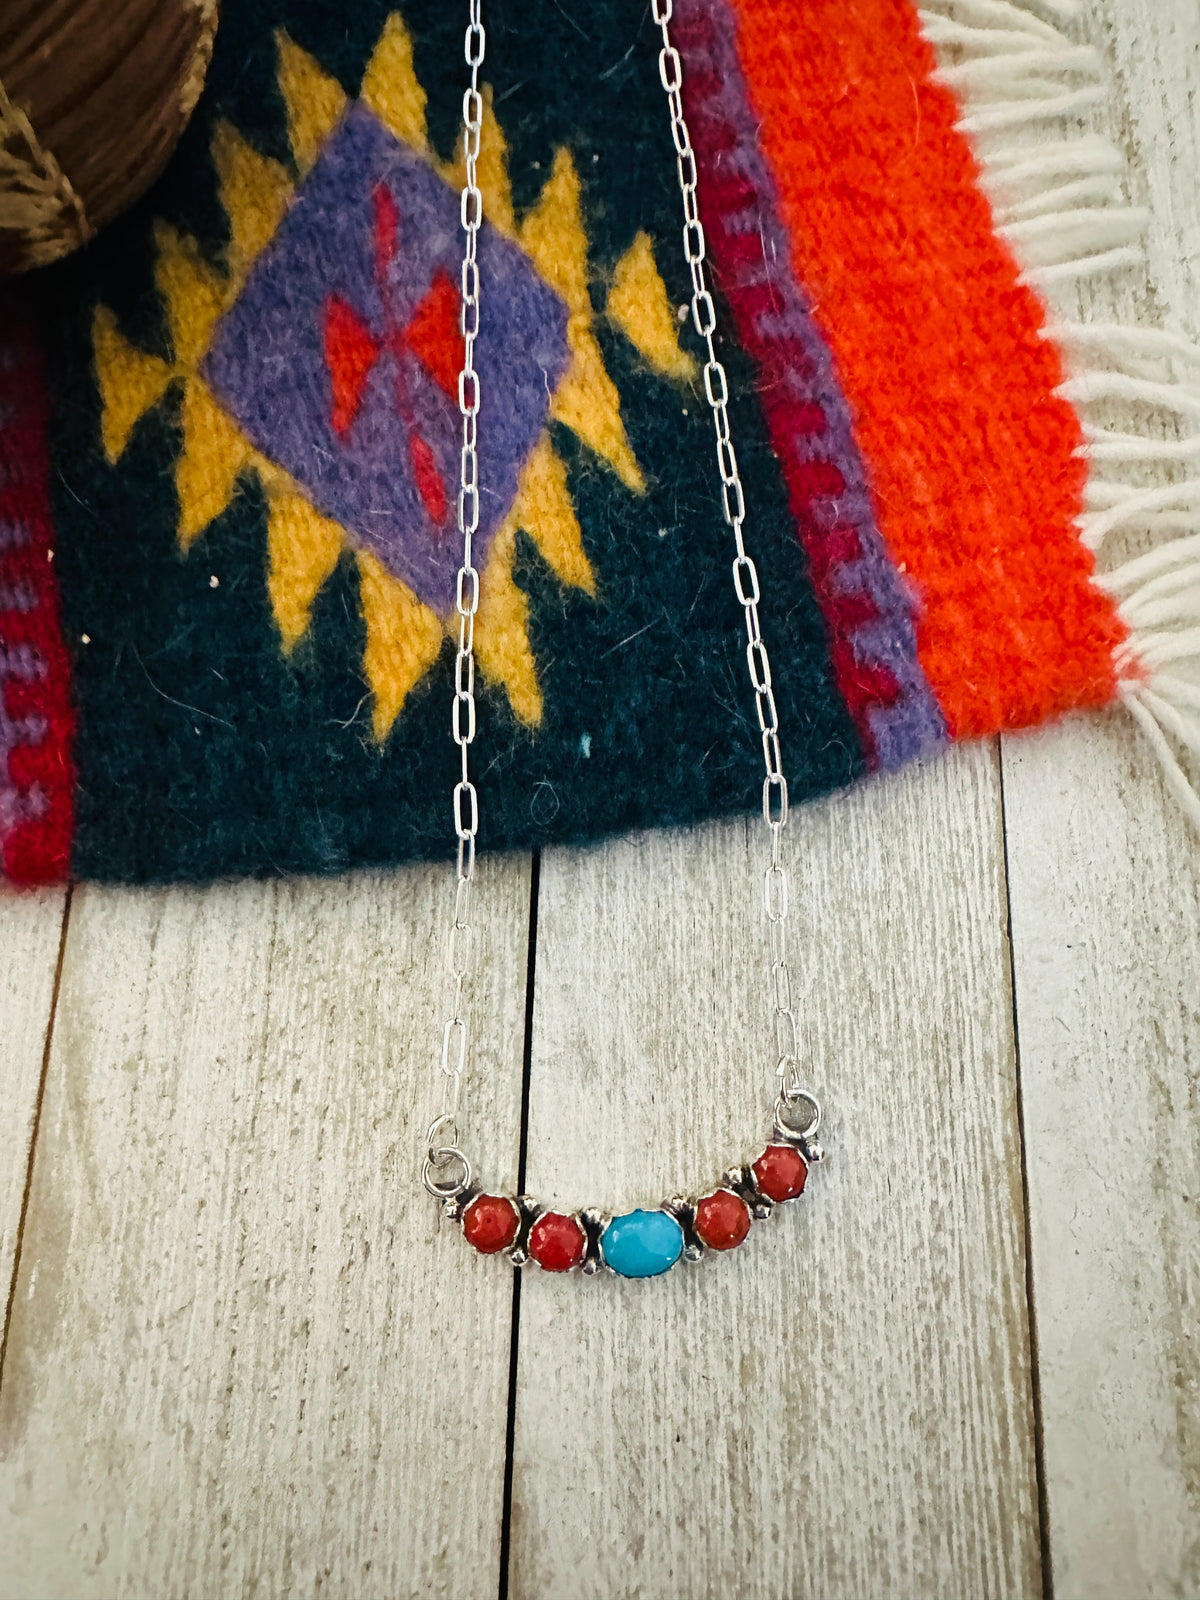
(432,336)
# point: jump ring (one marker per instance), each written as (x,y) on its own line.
(445,1188)
(785,1112)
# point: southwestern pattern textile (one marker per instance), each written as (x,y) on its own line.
(229,446)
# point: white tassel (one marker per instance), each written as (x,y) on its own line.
(1149,344)
(1182,500)
(1151,649)
(1177,606)
(1087,267)
(1143,569)
(1020,65)
(1062,197)
(1068,235)
(1099,493)
(984,41)
(1003,14)
(1058,201)
(1012,113)
(1177,692)
(1087,387)
(1014,166)
(1104,446)
(1185,729)
(1141,702)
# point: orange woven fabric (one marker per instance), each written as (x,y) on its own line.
(970,454)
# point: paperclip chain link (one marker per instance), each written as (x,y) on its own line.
(745,573)
(446,1170)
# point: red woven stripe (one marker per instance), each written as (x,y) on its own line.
(813,479)
(37,777)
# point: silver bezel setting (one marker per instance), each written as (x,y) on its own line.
(740,1181)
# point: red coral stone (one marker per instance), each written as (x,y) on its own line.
(556,1242)
(781,1172)
(722,1220)
(491,1223)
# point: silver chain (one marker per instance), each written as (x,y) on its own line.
(745,573)
(447,1170)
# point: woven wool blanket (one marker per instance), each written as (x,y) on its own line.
(229,436)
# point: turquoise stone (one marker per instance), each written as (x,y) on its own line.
(641,1244)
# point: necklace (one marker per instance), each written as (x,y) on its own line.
(640,1243)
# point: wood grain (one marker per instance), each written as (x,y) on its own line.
(1105,889)
(246,1357)
(843,1407)
(1106,919)
(30,933)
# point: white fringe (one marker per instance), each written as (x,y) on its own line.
(1057,197)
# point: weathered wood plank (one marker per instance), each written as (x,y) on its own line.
(1105,887)
(843,1407)
(30,934)
(246,1356)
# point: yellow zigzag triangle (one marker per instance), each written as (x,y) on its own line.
(638,304)
(130,382)
(586,400)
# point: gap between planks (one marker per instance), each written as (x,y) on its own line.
(246,1354)
(32,940)
(1104,880)
(814,1414)
(949,1451)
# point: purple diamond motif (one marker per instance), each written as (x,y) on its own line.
(338,359)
